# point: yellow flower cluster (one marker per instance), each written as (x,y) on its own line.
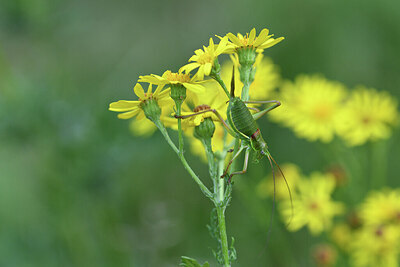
(318,109)
(313,206)
(375,239)
(201,92)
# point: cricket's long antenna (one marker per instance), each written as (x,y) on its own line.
(233,82)
(273,205)
(288,188)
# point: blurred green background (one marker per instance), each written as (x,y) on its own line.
(77,189)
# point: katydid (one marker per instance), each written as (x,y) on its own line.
(242,125)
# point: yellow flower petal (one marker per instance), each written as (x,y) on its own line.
(252,36)
(124,105)
(234,39)
(150,88)
(207,68)
(196,88)
(270,43)
(129,114)
(189,67)
(262,37)
(149,79)
(139,91)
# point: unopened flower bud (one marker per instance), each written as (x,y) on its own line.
(151,109)
(205,130)
(178,93)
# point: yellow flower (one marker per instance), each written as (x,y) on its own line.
(135,108)
(205,59)
(250,40)
(266,79)
(266,186)
(312,204)
(368,115)
(310,107)
(168,77)
(342,236)
(381,208)
(376,246)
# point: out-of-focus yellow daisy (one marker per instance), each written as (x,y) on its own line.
(266,79)
(312,204)
(310,107)
(266,186)
(191,83)
(367,115)
(381,208)
(324,255)
(204,59)
(135,108)
(376,246)
(252,41)
(342,235)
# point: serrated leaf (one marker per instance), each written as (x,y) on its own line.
(189,262)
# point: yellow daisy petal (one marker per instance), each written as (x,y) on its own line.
(234,39)
(139,91)
(196,88)
(270,43)
(129,114)
(207,68)
(262,37)
(252,36)
(124,105)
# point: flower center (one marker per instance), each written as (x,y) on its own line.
(177,77)
(201,108)
(366,120)
(147,96)
(313,206)
(205,58)
(322,112)
(245,40)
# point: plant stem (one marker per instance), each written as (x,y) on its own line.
(180,137)
(203,188)
(222,231)
(219,196)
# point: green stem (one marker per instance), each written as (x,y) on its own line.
(219,196)
(180,137)
(203,188)
(222,231)
(246,78)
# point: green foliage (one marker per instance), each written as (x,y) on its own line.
(189,262)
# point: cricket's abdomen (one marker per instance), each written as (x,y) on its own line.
(242,118)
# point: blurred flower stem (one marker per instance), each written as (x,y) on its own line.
(164,132)
(377,163)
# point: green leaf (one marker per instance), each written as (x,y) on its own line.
(189,262)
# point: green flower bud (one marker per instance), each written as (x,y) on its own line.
(205,130)
(178,93)
(247,56)
(151,109)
